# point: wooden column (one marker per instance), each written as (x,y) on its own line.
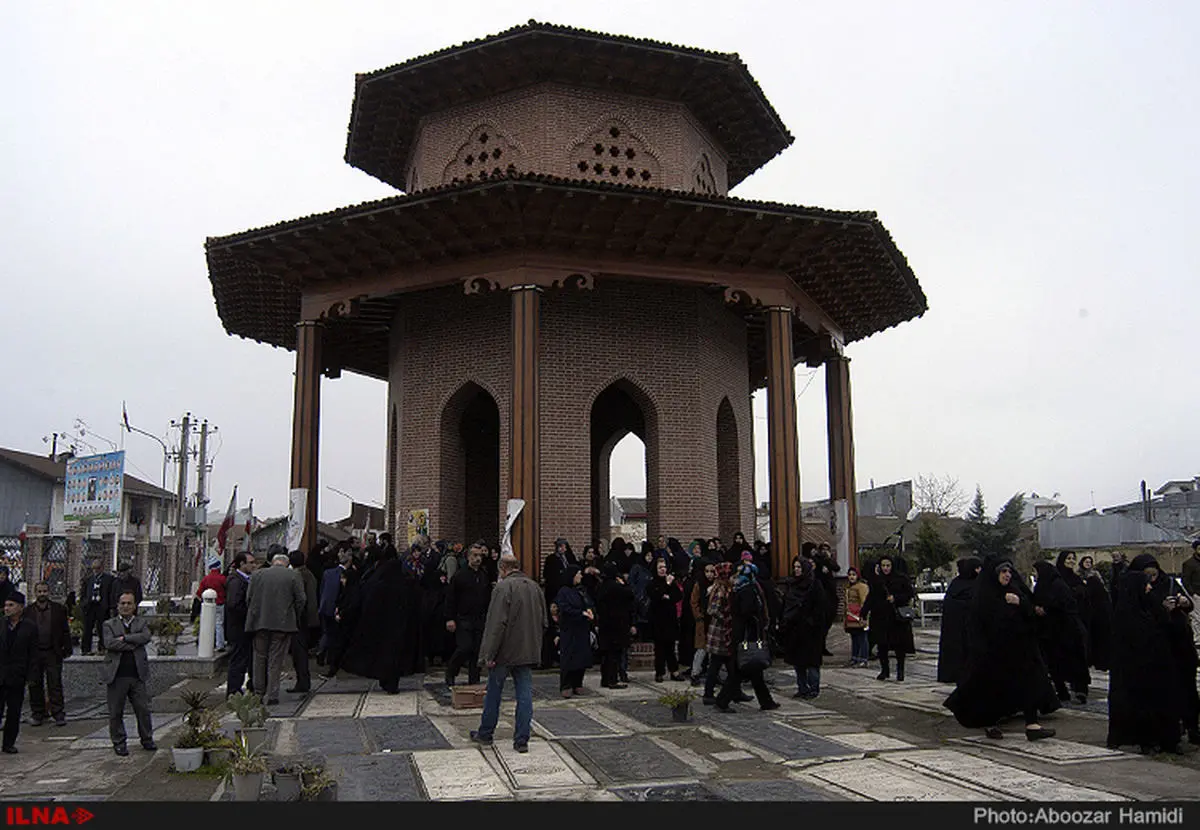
(306,422)
(783,459)
(841,446)
(525,463)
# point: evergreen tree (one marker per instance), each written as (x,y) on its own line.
(977,532)
(1007,528)
(930,548)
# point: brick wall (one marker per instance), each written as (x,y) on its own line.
(676,350)
(551,128)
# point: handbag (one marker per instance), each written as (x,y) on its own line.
(752,656)
(854,612)
(906,613)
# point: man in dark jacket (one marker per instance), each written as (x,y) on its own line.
(53,646)
(466,612)
(241,642)
(18,650)
(327,604)
(124,581)
(307,620)
(95,599)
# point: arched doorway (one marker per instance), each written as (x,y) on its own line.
(619,410)
(729,486)
(470,467)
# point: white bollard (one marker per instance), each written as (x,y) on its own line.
(206,645)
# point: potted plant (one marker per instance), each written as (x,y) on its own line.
(317,784)
(286,778)
(218,750)
(680,704)
(76,626)
(247,771)
(168,631)
(188,752)
(253,714)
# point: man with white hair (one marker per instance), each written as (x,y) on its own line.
(512,644)
(274,605)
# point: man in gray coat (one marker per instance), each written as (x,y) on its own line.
(274,604)
(127,671)
(512,644)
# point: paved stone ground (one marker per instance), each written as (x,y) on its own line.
(861,739)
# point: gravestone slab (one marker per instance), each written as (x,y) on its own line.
(569,723)
(733,755)
(769,791)
(1052,750)
(650,712)
(540,768)
(1000,777)
(877,780)
(353,684)
(90,770)
(404,733)
(331,706)
(332,736)
(920,698)
(852,680)
(627,759)
(376,778)
(870,741)
(779,737)
(459,775)
(667,792)
(381,704)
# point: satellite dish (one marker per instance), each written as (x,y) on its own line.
(912,514)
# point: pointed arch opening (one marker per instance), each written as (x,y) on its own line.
(620,410)
(470,467)
(729,485)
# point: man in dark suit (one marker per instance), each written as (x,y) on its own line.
(240,641)
(127,671)
(53,646)
(331,587)
(95,600)
(274,603)
(124,581)
(18,644)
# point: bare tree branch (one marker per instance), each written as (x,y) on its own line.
(941,495)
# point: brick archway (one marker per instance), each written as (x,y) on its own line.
(621,408)
(470,467)
(729,485)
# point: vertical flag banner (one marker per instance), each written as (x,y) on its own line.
(227,524)
(297,506)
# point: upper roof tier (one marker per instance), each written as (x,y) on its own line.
(698,119)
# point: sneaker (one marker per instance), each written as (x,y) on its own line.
(479,739)
(522,748)
(10,750)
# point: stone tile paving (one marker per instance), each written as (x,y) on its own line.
(389,777)
(628,759)
(331,736)
(403,733)
(570,723)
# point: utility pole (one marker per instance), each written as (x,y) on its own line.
(181,505)
(202,498)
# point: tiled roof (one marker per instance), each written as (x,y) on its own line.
(717,88)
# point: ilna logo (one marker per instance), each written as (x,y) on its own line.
(46,815)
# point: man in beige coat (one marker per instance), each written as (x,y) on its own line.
(512,644)
(274,604)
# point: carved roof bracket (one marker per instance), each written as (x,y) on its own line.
(542,277)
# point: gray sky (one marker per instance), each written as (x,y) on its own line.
(1036,162)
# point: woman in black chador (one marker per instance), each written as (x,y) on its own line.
(1062,635)
(1144,702)
(575,617)
(1004,673)
(665,594)
(893,633)
(1179,634)
(614,624)
(1099,619)
(952,645)
(802,629)
(383,643)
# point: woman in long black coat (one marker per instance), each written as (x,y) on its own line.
(665,594)
(802,628)
(575,616)
(1144,705)
(1063,637)
(1004,673)
(614,624)
(383,637)
(1100,611)
(952,645)
(892,632)
(1179,634)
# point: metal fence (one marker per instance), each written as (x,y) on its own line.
(155,579)
(12,556)
(54,566)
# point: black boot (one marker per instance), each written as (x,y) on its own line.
(899,670)
(885,670)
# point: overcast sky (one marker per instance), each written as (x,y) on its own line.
(1036,162)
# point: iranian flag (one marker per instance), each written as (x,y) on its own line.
(249,527)
(227,525)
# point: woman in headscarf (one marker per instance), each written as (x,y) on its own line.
(492,564)
(738,547)
(1144,703)
(893,633)
(664,593)
(382,626)
(719,628)
(575,616)
(614,625)
(855,624)
(1099,621)
(1063,637)
(1004,673)
(687,618)
(697,605)
(640,574)
(952,645)
(748,609)
(1178,604)
(802,629)
(616,556)
(591,571)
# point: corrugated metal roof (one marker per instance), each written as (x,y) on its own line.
(57,470)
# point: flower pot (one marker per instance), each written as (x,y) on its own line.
(247,786)
(218,756)
(188,760)
(256,737)
(328,794)
(681,713)
(287,786)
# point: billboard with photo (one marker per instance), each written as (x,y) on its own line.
(94,487)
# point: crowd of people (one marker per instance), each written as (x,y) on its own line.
(1015,649)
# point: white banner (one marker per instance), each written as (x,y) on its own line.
(297,507)
(514,509)
(838,522)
